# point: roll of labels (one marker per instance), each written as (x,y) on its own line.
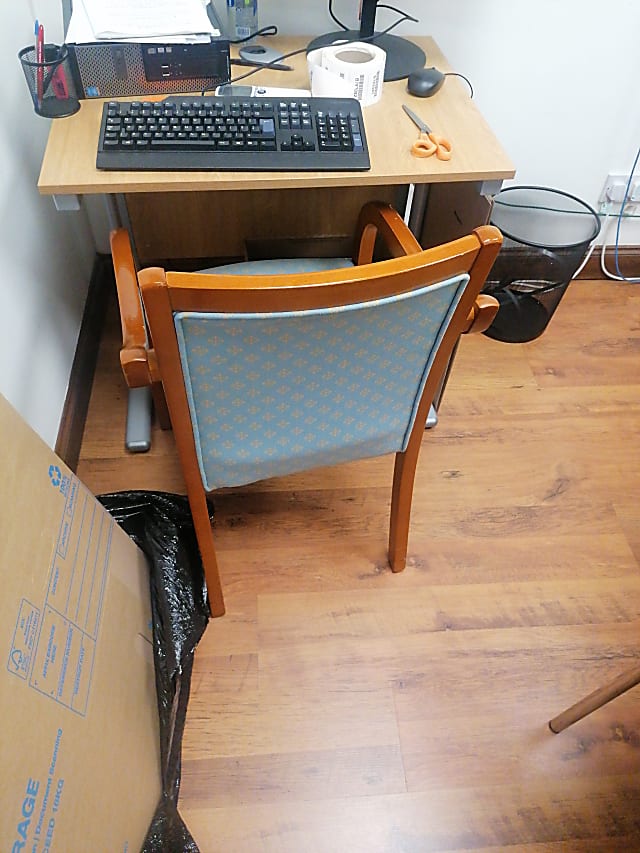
(353,70)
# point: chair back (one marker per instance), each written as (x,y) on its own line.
(274,393)
(275,374)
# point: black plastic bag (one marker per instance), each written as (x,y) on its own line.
(160,524)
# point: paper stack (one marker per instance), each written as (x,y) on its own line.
(168,21)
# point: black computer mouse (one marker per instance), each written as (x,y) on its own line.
(425,82)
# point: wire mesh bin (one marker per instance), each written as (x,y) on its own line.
(546,235)
(50,81)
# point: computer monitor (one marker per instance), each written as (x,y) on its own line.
(403,56)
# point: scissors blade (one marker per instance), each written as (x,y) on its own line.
(416,119)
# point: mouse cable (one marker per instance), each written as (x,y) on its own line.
(271,30)
(466,80)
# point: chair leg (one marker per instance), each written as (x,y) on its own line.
(595,700)
(404,473)
(204,535)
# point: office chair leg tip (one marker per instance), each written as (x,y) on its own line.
(216,607)
(397,565)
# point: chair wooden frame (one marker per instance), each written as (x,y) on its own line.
(135,349)
(409,268)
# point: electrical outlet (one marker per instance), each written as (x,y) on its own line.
(615,187)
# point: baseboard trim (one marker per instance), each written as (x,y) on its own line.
(628,259)
(76,404)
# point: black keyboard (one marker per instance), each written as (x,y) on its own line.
(228,133)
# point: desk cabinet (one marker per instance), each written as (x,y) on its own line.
(221,225)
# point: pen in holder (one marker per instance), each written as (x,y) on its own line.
(50,82)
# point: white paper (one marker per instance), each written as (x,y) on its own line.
(122,19)
(80,31)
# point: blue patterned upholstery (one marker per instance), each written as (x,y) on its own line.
(271,394)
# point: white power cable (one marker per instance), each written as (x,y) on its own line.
(607,273)
(585,261)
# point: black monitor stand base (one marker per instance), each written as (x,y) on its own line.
(403,56)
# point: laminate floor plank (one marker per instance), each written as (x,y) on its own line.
(339,708)
(503,817)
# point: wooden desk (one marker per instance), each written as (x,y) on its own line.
(211,214)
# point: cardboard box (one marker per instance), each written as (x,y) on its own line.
(79,742)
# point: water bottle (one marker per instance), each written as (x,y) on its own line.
(243,18)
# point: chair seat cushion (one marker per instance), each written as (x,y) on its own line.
(281,266)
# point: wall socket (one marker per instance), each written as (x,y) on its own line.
(614,188)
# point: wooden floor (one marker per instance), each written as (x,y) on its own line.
(343,709)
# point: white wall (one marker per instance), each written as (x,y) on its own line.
(556,79)
(46,256)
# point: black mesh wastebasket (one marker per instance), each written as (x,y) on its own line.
(546,235)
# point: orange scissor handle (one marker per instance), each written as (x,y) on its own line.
(432,144)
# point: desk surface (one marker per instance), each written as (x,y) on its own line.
(69,161)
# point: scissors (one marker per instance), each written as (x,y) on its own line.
(428,143)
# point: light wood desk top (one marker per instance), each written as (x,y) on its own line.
(69,162)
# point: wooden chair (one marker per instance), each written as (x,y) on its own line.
(134,353)
(596,700)
(266,375)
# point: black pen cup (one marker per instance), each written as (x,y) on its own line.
(50,81)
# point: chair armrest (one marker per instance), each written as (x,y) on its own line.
(133,353)
(482,314)
(380,219)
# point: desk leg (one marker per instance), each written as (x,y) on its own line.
(418,198)
(414,217)
(443,212)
